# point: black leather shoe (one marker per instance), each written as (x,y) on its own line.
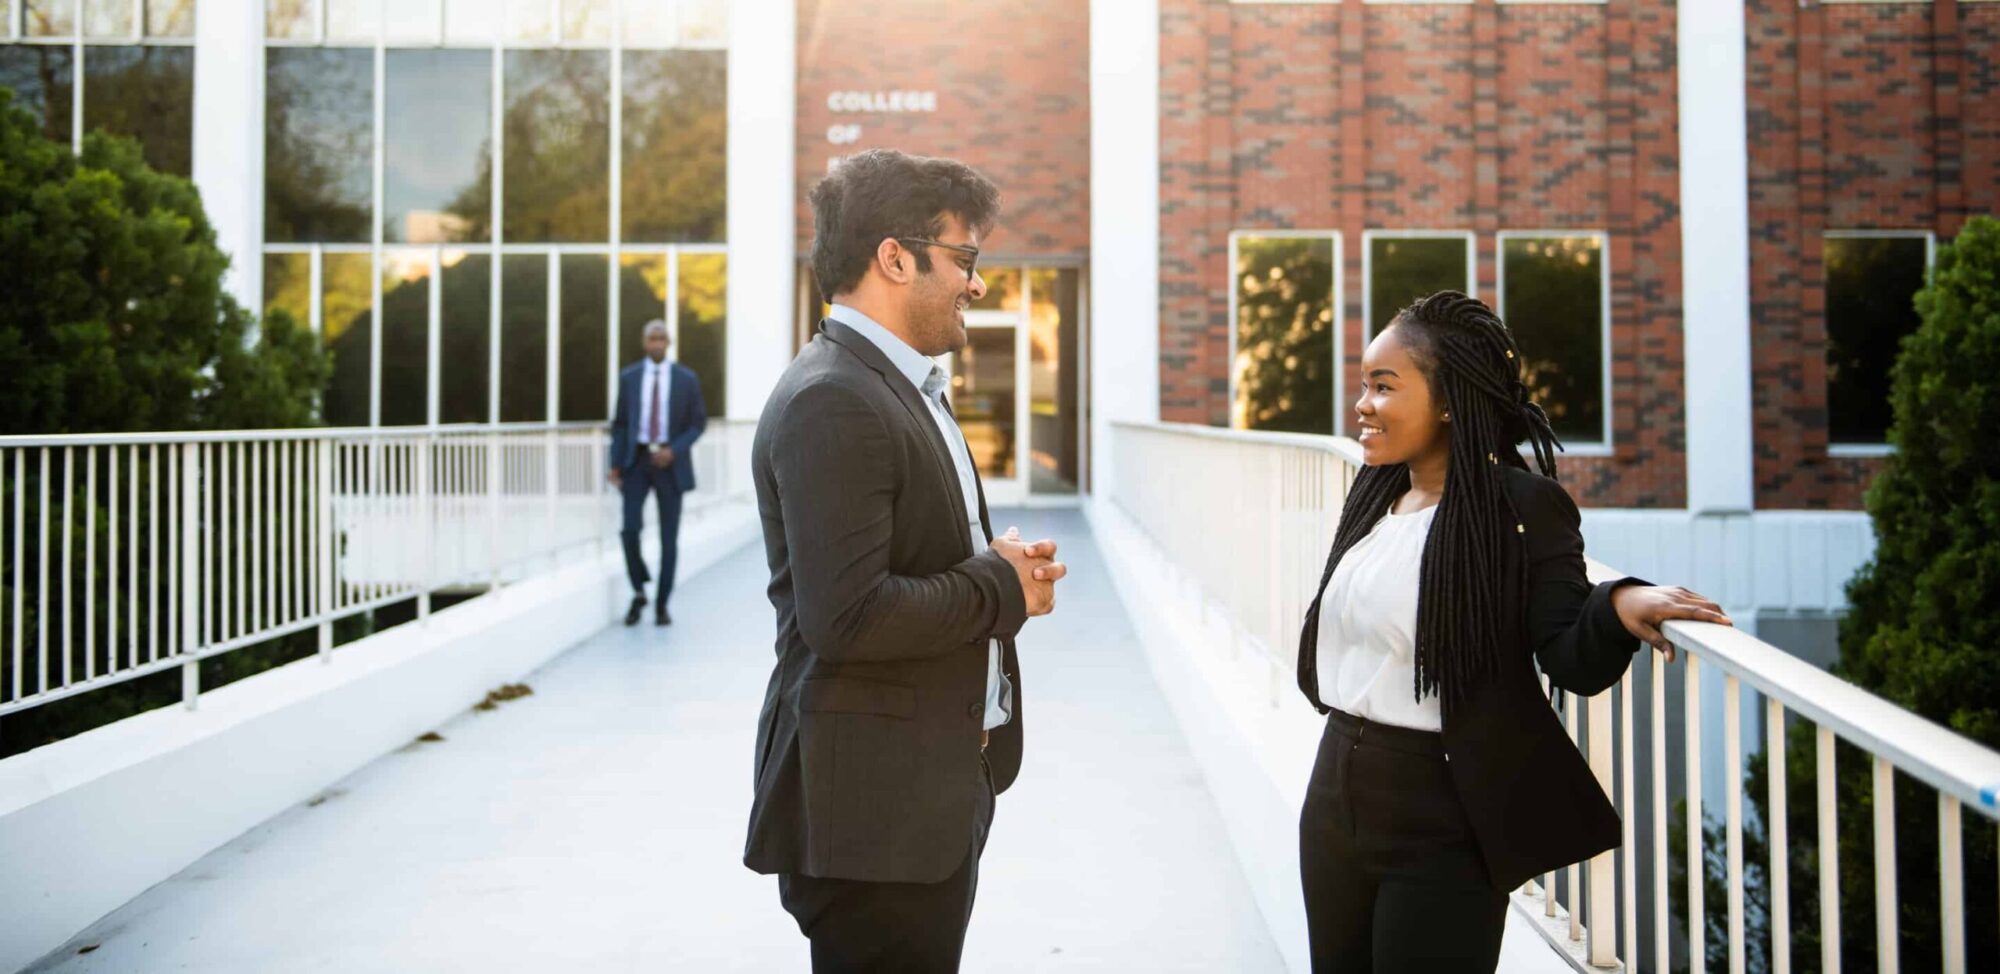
(638,608)
(661,618)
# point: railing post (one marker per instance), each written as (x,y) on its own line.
(1602,903)
(323,562)
(192,595)
(426,513)
(494,469)
(549,471)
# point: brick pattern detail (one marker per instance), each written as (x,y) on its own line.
(1352,116)
(1860,117)
(1013,88)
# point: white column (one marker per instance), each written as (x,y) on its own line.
(1125,222)
(763,66)
(1715,255)
(229,136)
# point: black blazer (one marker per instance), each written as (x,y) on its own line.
(867,760)
(1530,796)
(687,417)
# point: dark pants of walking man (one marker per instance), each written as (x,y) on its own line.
(641,479)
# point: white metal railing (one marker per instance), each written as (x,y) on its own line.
(1247,518)
(131,554)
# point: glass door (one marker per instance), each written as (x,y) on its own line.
(1015,387)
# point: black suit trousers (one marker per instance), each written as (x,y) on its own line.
(640,480)
(1392,872)
(896,928)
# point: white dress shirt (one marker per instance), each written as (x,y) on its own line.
(1368,626)
(660,374)
(917,367)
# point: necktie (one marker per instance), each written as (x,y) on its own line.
(653,424)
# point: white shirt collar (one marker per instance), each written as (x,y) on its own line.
(914,365)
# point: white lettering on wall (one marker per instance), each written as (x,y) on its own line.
(882,101)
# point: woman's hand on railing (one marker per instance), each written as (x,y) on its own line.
(1644,609)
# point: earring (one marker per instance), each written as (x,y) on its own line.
(1447,416)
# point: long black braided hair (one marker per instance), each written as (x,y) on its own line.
(1474,565)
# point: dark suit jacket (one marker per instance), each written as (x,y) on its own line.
(1532,799)
(867,762)
(687,417)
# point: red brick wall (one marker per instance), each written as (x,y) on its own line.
(1350,116)
(1013,100)
(1861,117)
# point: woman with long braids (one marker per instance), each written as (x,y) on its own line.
(1444,778)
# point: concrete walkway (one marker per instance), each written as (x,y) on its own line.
(598,824)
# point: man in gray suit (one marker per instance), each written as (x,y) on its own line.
(893,715)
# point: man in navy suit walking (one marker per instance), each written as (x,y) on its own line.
(659,416)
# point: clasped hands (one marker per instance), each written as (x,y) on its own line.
(1036,565)
(661,458)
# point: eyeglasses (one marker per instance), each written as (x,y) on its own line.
(970,269)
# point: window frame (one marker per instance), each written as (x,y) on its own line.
(1606,445)
(440,33)
(1883,449)
(1368,238)
(15,32)
(1339,304)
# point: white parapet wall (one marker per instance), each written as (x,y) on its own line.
(90,822)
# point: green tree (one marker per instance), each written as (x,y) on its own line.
(1284,335)
(1921,631)
(114,317)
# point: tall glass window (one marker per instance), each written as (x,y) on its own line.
(1055,400)
(1554,297)
(136,68)
(347,324)
(558,136)
(1872,279)
(437,139)
(1403,267)
(1281,368)
(319,144)
(490,143)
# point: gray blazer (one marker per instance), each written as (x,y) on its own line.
(867,762)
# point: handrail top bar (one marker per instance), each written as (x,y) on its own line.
(1343,447)
(1937,755)
(309,433)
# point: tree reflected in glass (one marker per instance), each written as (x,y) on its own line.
(147,93)
(1553,290)
(557,125)
(1402,270)
(42,77)
(346,323)
(319,135)
(676,120)
(1284,334)
(437,142)
(704,325)
(464,337)
(524,338)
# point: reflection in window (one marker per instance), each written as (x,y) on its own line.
(704,21)
(411,21)
(170,18)
(1402,270)
(352,20)
(1552,289)
(528,22)
(345,326)
(558,137)
(1003,289)
(585,338)
(675,120)
(49,18)
(406,334)
(649,23)
(1284,335)
(319,133)
(43,81)
(288,20)
(642,297)
(1054,402)
(108,19)
(464,337)
(146,93)
(524,338)
(437,170)
(1871,284)
(982,397)
(704,325)
(587,21)
(288,286)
